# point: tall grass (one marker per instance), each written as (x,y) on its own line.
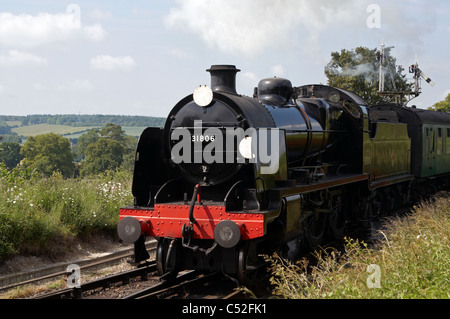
(413,261)
(44,215)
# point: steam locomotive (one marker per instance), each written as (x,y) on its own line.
(230,176)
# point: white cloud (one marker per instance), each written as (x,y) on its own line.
(17,58)
(25,31)
(94,32)
(249,27)
(108,62)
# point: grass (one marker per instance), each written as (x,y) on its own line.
(37,129)
(14,123)
(66,130)
(413,262)
(134,130)
(30,290)
(45,215)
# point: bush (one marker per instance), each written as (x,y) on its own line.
(6,239)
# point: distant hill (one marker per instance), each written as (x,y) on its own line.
(85,120)
(15,128)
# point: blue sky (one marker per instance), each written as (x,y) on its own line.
(141,57)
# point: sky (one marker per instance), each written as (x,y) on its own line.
(140,57)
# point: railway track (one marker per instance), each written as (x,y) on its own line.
(59,270)
(139,283)
(144,283)
(192,285)
(89,287)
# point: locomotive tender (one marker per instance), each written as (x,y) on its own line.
(230,177)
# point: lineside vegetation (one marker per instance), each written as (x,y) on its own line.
(45,215)
(412,262)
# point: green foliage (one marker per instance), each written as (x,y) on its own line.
(443,105)
(10,154)
(7,246)
(48,153)
(106,149)
(113,132)
(85,120)
(85,140)
(358,71)
(130,144)
(47,163)
(414,262)
(103,155)
(11,138)
(17,175)
(44,215)
(4,128)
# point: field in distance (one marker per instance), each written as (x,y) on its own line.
(73,126)
(68,131)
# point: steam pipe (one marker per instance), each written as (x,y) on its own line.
(191,206)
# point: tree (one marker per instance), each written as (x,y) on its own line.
(49,153)
(109,131)
(130,143)
(85,140)
(443,105)
(114,132)
(105,154)
(4,128)
(358,71)
(10,154)
(95,146)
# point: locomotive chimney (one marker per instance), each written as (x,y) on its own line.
(223,78)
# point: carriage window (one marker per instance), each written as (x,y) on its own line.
(433,141)
(430,141)
(440,143)
(447,141)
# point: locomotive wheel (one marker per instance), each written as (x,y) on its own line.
(378,205)
(245,275)
(390,199)
(168,258)
(367,224)
(315,229)
(338,218)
